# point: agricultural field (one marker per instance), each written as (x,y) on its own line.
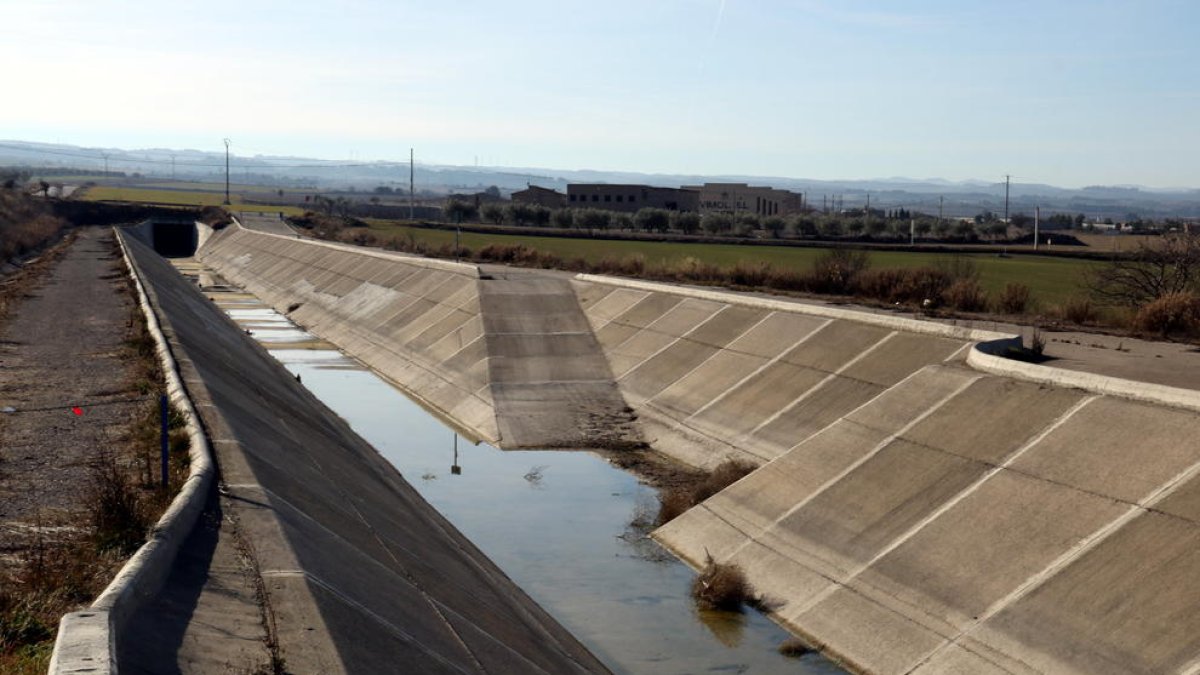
(191,197)
(1051,280)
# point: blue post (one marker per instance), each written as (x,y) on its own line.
(162,405)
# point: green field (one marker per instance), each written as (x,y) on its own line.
(181,198)
(1052,280)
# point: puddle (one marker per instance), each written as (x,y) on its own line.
(557,523)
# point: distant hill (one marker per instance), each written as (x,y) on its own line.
(956,198)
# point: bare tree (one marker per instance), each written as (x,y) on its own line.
(1151,272)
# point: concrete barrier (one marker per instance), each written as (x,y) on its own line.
(989,358)
(86,639)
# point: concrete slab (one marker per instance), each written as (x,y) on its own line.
(1117,448)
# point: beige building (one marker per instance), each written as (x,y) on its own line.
(630,198)
(541,196)
(743,198)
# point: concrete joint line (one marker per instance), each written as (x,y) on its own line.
(650,327)
(87,640)
(963,494)
(613,318)
(770,362)
(887,321)
(393,628)
(672,343)
(866,457)
(1077,551)
(528,334)
(826,380)
(718,351)
(958,351)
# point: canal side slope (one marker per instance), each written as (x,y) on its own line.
(507,356)
(359,573)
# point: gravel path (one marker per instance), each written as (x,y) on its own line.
(62,347)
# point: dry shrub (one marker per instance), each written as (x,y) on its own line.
(965,295)
(835,271)
(794,648)
(903,285)
(750,274)
(677,499)
(1172,314)
(1078,310)
(721,586)
(119,517)
(1014,299)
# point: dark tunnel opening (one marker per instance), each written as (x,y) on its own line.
(174,240)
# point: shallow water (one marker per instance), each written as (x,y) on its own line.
(557,522)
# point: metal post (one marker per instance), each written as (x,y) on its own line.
(165,434)
(411,187)
(227,172)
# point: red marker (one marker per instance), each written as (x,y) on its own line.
(77,410)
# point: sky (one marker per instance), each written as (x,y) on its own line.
(1069,93)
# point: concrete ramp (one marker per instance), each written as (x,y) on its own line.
(550,383)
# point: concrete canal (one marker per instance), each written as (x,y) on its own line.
(561,524)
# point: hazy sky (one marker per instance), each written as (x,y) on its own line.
(1063,92)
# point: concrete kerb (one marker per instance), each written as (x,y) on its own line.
(431,263)
(86,640)
(986,357)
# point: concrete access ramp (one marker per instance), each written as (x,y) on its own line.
(358,573)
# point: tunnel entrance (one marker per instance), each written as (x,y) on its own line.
(173,239)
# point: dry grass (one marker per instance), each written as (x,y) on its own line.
(794,648)
(1014,299)
(721,587)
(66,564)
(675,500)
(1172,314)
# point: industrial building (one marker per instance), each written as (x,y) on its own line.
(740,198)
(540,196)
(630,198)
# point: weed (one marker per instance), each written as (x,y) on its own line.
(675,500)
(965,295)
(1014,299)
(119,518)
(794,648)
(1078,310)
(721,586)
(1172,314)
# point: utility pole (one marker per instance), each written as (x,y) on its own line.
(226,172)
(172,167)
(106,164)
(411,185)
(1007,180)
(941,201)
(1037,221)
